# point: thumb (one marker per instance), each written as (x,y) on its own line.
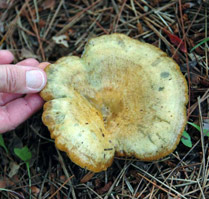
(21,79)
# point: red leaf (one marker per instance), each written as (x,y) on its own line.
(176,41)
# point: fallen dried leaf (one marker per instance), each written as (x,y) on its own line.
(176,41)
(5,182)
(48,4)
(187,5)
(25,53)
(62,39)
(4,4)
(140,28)
(63,178)
(104,189)
(14,168)
(195,79)
(35,190)
(41,23)
(87,177)
(97,182)
(155,2)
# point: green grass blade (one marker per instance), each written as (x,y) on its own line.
(2,144)
(202,42)
(205,131)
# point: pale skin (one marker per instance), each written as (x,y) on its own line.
(19,87)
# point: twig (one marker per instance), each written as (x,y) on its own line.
(66,173)
(119,15)
(160,182)
(12,24)
(202,137)
(154,184)
(53,18)
(61,187)
(36,31)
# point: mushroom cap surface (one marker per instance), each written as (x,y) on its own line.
(121,97)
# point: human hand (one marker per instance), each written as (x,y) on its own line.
(26,77)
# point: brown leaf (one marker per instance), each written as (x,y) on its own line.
(185,17)
(187,5)
(155,2)
(195,79)
(105,188)
(63,178)
(42,23)
(204,82)
(35,190)
(4,4)
(87,177)
(48,4)
(140,28)
(5,182)
(97,183)
(170,163)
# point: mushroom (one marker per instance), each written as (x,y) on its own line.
(122,97)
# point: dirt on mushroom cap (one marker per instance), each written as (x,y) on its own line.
(131,93)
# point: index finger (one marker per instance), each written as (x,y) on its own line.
(6,57)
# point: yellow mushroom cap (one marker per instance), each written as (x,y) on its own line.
(121,97)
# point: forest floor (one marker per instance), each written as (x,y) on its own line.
(47,30)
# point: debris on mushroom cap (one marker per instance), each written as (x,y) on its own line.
(121,97)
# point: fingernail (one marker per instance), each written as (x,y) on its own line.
(35,80)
